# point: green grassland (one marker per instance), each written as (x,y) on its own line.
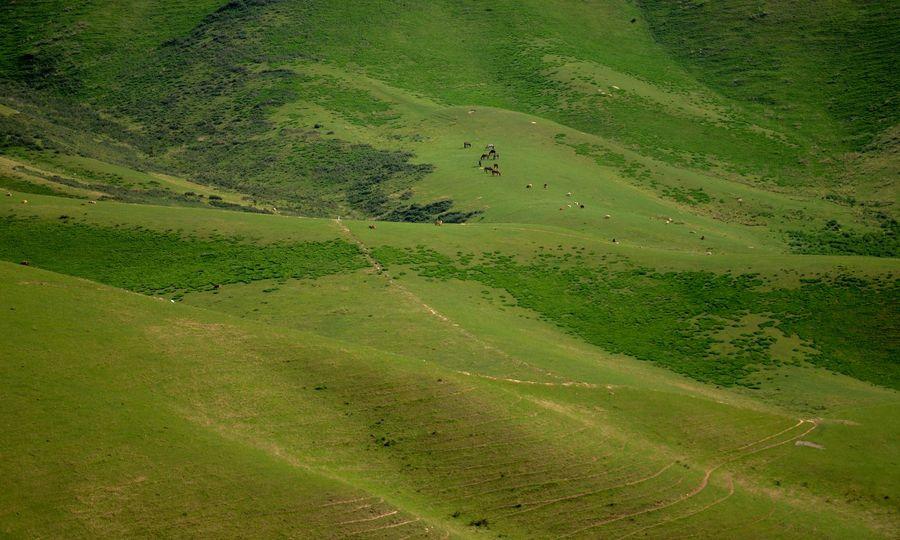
(229,311)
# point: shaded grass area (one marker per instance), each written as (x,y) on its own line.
(24,186)
(832,240)
(169,263)
(828,68)
(207,84)
(199,107)
(676,318)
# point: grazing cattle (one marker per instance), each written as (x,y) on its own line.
(528,186)
(607,216)
(483,157)
(569,194)
(703,237)
(92,202)
(467,144)
(495,172)
(25,263)
(487,170)
(8,194)
(24,201)
(545,186)
(372,226)
(438,222)
(489,147)
(581,206)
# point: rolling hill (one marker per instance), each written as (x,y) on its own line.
(254,283)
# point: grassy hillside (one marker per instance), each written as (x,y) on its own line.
(201,98)
(255,283)
(824,67)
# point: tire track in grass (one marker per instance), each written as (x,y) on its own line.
(685,516)
(384,527)
(703,483)
(697,529)
(536,505)
(372,518)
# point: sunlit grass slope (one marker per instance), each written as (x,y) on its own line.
(490,413)
(296,432)
(253,283)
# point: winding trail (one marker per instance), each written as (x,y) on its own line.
(703,483)
(685,516)
(379,268)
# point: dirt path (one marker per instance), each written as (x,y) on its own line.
(411,296)
(535,383)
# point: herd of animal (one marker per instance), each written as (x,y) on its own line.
(490,152)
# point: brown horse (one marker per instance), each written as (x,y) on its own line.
(488,169)
(467,144)
(495,172)
(484,156)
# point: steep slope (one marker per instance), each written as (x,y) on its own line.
(667,308)
(201,97)
(826,68)
(326,439)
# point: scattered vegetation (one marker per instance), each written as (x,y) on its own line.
(833,239)
(675,318)
(24,186)
(165,263)
(691,196)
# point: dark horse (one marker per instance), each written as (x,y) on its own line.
(467,145)
(488,169)
(495,172)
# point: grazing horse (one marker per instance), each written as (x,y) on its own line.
(484,156)
(488,169)
(495,172)
(467,144)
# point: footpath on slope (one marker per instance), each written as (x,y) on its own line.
(411,296)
